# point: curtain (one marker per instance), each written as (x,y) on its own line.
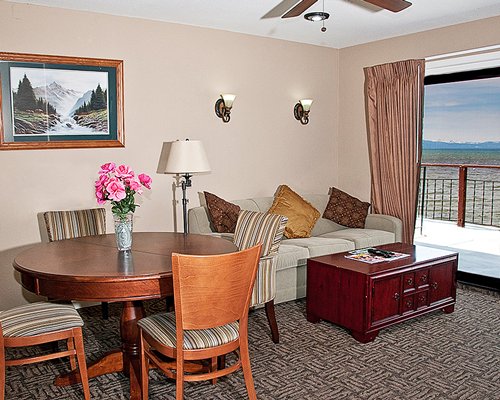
(394,98)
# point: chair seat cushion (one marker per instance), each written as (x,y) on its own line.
(161,327)
(39,318)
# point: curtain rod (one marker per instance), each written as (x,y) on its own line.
(481,50)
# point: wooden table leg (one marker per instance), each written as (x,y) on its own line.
(132,312)
(111,362)
(126,359)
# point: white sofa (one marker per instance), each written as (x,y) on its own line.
(327,237)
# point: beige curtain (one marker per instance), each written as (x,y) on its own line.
(394,97)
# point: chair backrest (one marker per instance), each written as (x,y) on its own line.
(211,291)
(75,223)
(255,227)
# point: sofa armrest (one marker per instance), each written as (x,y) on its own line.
(385,223)
(198,221)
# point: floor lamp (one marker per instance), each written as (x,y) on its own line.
(184,158)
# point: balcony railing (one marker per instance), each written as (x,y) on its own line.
(474,199)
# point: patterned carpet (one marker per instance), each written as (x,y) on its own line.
(437,356)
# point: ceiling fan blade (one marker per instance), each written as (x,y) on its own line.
(391,5)
(299,8)
(280,9)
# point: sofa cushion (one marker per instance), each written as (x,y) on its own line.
(263,203)
(290,256)
(301,214)
(324,225)
(345,209)
(222,214)
(318,201)
(363,237)
(320,246)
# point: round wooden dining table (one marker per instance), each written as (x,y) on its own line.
(92,269)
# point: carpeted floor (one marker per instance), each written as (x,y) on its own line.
(437,356)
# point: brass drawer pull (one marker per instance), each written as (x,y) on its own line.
(409,281)
(396,296)
(434,285)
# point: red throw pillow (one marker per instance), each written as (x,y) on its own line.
(223,214)
(345,209)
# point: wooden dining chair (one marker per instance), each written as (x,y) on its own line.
(256,227)
(39,323)
(72,224)
(212,298)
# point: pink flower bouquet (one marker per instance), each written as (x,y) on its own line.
(119,185)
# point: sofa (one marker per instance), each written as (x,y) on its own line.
(327,237)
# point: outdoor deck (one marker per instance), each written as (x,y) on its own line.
(478,246)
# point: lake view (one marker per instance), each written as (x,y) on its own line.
(483,185)
(452,156)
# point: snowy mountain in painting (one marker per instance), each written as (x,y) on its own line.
(84,99)
(61,98)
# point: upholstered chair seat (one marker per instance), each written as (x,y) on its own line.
(39,318)
(161,327)
(39,323)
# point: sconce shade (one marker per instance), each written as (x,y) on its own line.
(186,157)
(306,104)
(228,99)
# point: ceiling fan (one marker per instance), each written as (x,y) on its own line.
(303,5)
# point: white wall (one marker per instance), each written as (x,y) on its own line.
(173,76)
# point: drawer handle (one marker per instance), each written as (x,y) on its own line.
(408,303)
(423,278)
(396,296)
(409,281)
(422,298)
(434,285)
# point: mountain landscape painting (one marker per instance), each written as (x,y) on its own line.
(59,101)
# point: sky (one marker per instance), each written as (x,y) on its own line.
(80,81)
(467,111)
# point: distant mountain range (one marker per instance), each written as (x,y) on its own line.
(61,98)
(434,145)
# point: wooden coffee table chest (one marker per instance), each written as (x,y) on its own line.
(365,298)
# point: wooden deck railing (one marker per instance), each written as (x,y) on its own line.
(460,199)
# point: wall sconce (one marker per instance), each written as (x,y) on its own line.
(223,106)
(301,110)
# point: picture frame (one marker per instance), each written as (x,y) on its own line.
(60,102)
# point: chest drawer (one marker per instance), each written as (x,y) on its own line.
(422,277)
(408,281)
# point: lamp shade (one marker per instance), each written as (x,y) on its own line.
(306,104)
(228,99)
(186,157)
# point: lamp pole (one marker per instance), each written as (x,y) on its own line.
(185,184)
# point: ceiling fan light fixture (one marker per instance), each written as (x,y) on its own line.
(317,16)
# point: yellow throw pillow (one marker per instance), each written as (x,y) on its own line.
(301,214)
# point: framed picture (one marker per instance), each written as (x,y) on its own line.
(52,102)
